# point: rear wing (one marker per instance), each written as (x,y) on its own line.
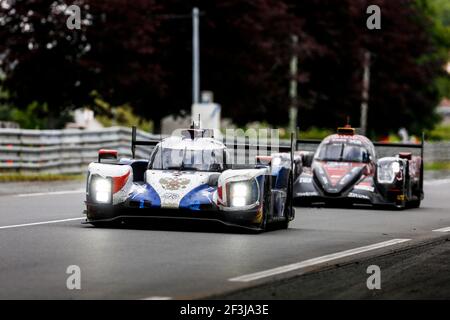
(135,142)
(313,143)
(405,145)
(235,144)
(247,144)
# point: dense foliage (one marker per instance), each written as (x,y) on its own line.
(139,53)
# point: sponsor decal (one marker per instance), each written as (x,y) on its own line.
(170,196)
(307,194)
(305,180)
(175,183)
(364,187)
(338,164)
(358,196)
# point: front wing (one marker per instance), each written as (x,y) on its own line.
(306,192)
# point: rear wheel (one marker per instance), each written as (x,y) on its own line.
(417,196)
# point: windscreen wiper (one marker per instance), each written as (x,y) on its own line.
(341,157)
(182,159)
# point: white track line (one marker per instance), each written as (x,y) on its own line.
(157,298)
(39,223)
(49,193)
(314,261)
(447,229)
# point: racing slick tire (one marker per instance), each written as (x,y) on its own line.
(414,203)
(266,208)
(288,205)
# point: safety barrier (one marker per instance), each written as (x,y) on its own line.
(62,151)
(71,150)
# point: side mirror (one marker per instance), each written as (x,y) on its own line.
(213,180)
(109,155)
(307,159)
(215,167)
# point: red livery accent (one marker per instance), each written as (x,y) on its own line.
(119,182)
(107,152)
(337,171)
(219,194)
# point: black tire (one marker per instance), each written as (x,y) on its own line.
(288,205)
(284,224)
(266,206)
(263,225)
(414,203)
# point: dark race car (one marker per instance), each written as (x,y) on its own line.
(345,170)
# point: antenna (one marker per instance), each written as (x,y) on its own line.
(291,183)
(133,141)
(161,151)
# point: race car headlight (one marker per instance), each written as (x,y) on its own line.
(387,171)
(395,166)
(243,193)
(101,189)
(276,162)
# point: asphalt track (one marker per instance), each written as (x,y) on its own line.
(41,235)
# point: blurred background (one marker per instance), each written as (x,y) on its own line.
(130,62)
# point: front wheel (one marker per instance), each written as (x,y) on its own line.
(284,224)
(414,203)
(289,211)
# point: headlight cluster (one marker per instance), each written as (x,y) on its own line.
(101,189)
(242,193)
(387,171)
(276,161)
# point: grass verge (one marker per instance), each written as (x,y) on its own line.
(437,166)
(19,177)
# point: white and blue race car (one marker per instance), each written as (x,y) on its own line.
(189,177)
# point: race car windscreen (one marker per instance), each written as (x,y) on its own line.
(341,152)
(188,159)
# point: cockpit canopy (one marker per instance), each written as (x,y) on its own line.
(204,154)
(342,151)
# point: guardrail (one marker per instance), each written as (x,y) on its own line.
(62,151)
(71,150)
